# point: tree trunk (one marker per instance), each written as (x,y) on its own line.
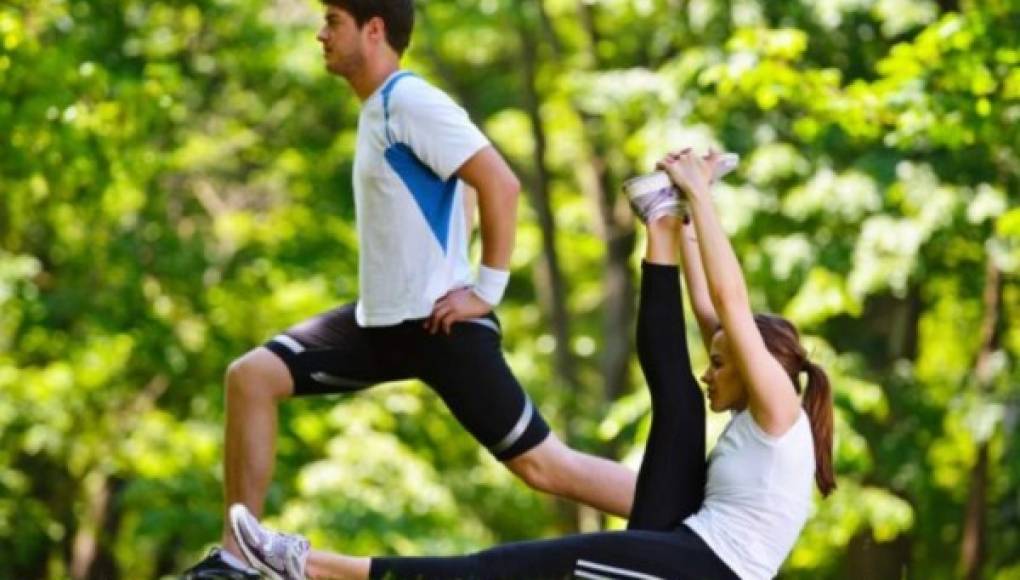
(973,543)
(618,304)
(866,558)
(617,231)
(92,547)
(949,5)
(974,524)
(618,286)
(550,282)
(92,557)
(552,287)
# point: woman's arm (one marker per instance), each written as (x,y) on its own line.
(697,287)
(772,400)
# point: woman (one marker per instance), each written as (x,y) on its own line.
(737,515)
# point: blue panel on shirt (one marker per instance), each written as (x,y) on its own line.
(433,195)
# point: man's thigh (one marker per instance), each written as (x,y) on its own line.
(467,369)
(330,353)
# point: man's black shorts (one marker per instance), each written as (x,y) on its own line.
(330,353)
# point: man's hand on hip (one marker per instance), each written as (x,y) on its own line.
(456,305)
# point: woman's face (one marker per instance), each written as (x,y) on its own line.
(726,391)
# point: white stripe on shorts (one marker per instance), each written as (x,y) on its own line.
(486,322)
(622,572)
(335,381)
(518,429)
(295,346)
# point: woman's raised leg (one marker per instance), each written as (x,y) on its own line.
(671,482)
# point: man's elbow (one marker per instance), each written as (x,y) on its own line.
(506,191)
(511,186)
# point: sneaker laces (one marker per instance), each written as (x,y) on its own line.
(654,195)
(284,553)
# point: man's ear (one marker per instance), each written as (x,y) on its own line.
(376,28)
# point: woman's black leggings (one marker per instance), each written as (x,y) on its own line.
(670,486)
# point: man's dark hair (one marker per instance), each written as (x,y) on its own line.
(398,15)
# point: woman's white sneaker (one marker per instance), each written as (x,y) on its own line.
(654,195)
(277,555)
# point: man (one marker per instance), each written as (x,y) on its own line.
(420,314)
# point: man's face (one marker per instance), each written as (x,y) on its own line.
(341,42)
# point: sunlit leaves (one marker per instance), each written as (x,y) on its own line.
(885,255)
(512,130)
(773,162)
(852,509)
(822,296)
(851,195)
(175,188)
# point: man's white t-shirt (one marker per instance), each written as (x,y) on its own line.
(411,253)
(757,496)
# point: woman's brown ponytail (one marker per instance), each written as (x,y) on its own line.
(783,341)
(818,406)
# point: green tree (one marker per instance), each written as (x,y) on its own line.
(175,187)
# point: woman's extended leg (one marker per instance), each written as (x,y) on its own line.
(671,482)
(608,555)
(630,554)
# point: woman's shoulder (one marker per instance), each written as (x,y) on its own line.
(800,428)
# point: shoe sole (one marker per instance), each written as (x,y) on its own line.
(637,187)
(727,163)
(237,513)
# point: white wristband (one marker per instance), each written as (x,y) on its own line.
(491,284)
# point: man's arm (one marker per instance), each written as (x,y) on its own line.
(470,205)
(497,190)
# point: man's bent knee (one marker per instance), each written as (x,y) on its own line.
(545,468)
(259,373)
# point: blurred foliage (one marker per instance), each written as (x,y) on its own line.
(175,187)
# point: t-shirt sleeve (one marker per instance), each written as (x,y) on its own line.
(437,129)
(759,434)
